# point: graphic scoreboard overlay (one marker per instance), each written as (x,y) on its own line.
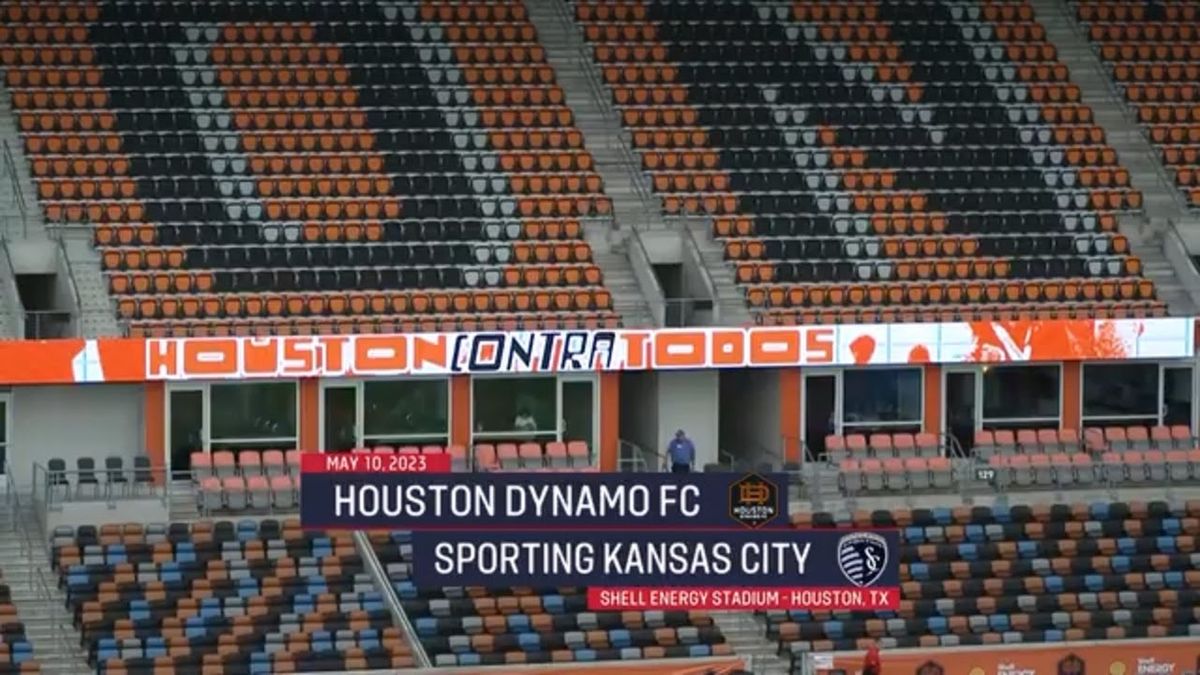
(634,541)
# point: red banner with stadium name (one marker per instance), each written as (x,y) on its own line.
(1120,657)
(743,599)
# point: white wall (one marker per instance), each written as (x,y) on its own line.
(79,420)
(639,410)
(34,256)
(690,400)
(663,247)
(750,409)
(100,512)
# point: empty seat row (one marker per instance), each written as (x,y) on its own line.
(254,492)
(384,325)
(319,127)
(882,445)
(1150,52)
(478,627)
(993,575)
(914,473)
(246,596)
(745,113)
(532,456)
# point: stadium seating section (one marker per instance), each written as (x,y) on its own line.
(228,480)
(983,575)
(468,627)
(1153,54)
(331,166)
(1019,458)
(247,479)
(873,161)
(16,651)
(224,597)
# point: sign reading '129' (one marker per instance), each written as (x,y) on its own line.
(566,351)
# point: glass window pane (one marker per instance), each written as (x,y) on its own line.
(578,404)
(881,395)
(186,427)
(341,419)
(3,435)
(1014,425)
(1177,396)
(405,408)
(1117,390)
(1021,392)
(253,410)
(527,404)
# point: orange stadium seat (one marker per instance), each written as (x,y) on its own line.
(997,575)
(293,175)
(1152,54)
(269,596)
(528,625)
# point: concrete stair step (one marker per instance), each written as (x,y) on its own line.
(1161,200)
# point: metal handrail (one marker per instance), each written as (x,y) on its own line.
(1121,102)
(952,445)
(64,261)
(380,577)
(12,297)
(633,457)
(601,92)
(725,457)
(10,166)
(774,457)
(48,489)
(1176,253)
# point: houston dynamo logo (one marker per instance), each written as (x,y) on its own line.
(862,557)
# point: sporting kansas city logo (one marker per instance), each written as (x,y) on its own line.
(862,557)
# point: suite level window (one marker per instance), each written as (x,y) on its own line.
(1120,394)
(1022,397)
(885,399)
(406,412)
(514,408)
(252,415)
(373,413)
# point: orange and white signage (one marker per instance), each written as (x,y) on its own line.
(569,351)
(566,351)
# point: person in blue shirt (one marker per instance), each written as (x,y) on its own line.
(681,453)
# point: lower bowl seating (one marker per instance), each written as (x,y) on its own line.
(1047,573)
(16,651)
(476,626)
(224,597)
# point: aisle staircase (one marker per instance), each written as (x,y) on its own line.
(746,632)
(41,605)
(1176,280)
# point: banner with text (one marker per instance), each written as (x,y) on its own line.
(866,560)
(344,495)
(575,351)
